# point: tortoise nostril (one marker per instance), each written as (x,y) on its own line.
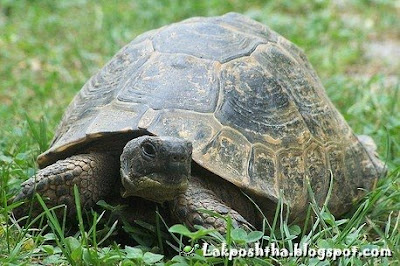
(178,158)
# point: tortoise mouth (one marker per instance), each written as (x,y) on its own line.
(155,168)
(155,187)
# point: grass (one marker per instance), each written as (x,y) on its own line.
(48,49)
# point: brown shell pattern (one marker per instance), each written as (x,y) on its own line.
(247,98)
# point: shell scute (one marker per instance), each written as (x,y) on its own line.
(247,99)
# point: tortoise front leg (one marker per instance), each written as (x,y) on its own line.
(199,196)
(94,174)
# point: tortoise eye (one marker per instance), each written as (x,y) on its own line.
(149,150)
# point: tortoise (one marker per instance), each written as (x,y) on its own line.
(207,113)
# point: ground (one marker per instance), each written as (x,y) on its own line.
(48,49)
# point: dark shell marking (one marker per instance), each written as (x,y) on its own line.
(247,98)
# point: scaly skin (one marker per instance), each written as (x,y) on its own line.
(203,194)
(97,176)
(94,174)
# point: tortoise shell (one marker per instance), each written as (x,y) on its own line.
(246,97)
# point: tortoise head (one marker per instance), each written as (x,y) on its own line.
(156,168)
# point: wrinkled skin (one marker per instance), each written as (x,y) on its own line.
(157,169)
